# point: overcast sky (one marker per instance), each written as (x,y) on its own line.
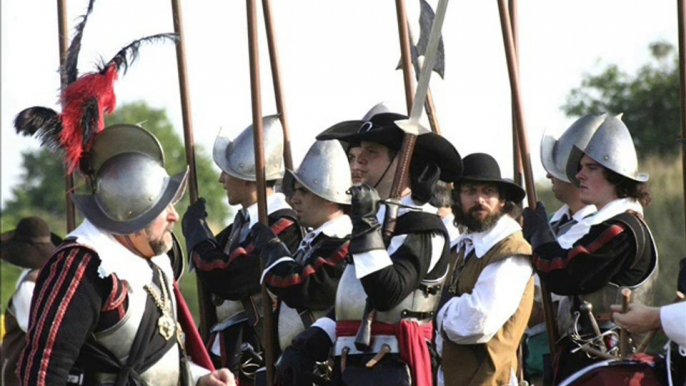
(338,60)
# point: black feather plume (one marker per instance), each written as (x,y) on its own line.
(127,55)
(70,69)
(89,121)
(41,122)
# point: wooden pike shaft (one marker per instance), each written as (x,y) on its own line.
(208,315)
(516,156)
(681,15)
(258,134)
(623,333)
(405,55)
(278,85)
(63,37)
(513,70)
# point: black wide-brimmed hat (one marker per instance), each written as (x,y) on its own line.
(30,245)
(481,167)
(430,147)
(342,129)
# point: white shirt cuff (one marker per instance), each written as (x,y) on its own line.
(285,258)
(369,262)
(328,325)
(673,318)
(197,372)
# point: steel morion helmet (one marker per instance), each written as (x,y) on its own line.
(555,153)
(237,158)
(130,185)
(324,171)
(610,146)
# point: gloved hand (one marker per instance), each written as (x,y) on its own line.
(366,235)
(194,225)
(266,244)
(296,364)
(537,230)
(423,186)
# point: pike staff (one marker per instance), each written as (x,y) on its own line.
(258,135)
(276,79)
(516,156)
(208,315)
(64,46)
(681,15)
(513,70)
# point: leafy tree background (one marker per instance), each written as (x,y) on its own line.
(41,191)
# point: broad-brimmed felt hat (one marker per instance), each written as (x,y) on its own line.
(342,129)
(30,245)
(430,147)
(481,167)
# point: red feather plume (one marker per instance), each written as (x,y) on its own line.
(88,91)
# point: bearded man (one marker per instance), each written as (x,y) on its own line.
(489,298)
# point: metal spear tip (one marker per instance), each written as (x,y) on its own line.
(409,127)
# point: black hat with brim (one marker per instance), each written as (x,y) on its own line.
(429,147)
(481,167)
(342,129)
(30,245)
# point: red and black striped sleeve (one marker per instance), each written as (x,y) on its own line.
(606,252)
(311,285)
(236,275)
(65,309)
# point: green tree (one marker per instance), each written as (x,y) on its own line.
(649,100)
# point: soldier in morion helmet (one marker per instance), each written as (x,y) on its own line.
(104,308)
(306,281)
(399,283)
(611,249)
(228,264)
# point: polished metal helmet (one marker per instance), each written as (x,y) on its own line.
(555,152)
(324,171)
(130,186)
(610,146)
(237,158)
(377,109)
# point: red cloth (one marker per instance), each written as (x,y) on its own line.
(194,346)
(411,341)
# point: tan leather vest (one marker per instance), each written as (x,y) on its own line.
(491,363)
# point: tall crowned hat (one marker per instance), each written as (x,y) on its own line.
(85,100)
(481,167)
(30,245)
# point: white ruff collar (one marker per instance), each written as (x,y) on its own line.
(115,258)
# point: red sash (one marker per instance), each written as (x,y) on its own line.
(194,346)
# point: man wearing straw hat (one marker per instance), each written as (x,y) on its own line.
(489,295)
(104,310)
(228,265)
(611,249)
(28,247)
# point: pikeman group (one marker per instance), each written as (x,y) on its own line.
(353,306)
(387,258)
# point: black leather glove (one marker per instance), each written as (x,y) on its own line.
(194,225)
(297,363)
(423,186)
(267,245)
(537,230)
(366,234)
(681,279)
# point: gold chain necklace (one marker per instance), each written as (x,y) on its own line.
(166,323)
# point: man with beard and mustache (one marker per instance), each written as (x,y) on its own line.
(489,296)
(104,307)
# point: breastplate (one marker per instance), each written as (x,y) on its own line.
(119,338)
(351,299)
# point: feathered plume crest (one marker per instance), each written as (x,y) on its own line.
(85,100)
